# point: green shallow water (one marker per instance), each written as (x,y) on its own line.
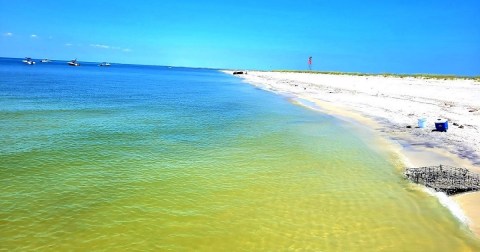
(158,159)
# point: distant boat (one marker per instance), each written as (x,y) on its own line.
(73,63)
(28,61)
(45,61)
(104,64)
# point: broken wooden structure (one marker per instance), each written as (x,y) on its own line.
(444,178)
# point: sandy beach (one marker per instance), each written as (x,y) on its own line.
(391,106)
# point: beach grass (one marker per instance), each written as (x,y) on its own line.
(419,75)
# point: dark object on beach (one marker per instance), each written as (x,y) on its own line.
(441,125)
(238,72)
(455,124)
(409,127)
(460,127)
(444,178)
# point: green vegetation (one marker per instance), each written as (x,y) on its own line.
(423,76)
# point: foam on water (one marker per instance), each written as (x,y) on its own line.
(448,203)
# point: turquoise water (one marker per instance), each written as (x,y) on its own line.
(155,158)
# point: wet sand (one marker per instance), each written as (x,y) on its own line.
(470,203)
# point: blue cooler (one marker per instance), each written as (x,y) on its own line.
(441,125)
(422,123)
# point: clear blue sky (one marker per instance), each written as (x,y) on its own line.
(409,36)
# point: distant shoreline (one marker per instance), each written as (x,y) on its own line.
(390,104)
(399,75)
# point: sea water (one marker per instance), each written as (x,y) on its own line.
(134,157)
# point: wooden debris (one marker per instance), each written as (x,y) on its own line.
(444,178)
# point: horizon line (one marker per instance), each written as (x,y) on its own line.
(336,72)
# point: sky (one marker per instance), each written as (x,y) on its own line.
(396,36)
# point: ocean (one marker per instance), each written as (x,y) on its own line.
(133,157)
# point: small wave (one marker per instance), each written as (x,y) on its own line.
(450,204)
(305,103)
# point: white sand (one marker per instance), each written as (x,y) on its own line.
(392,104)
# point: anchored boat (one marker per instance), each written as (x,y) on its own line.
(28,61)
(73,63)
(106,64)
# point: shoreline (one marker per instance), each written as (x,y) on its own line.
(365,100)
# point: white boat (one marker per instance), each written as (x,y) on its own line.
(45,61)
(73,63)
(104,64)
(28,61)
